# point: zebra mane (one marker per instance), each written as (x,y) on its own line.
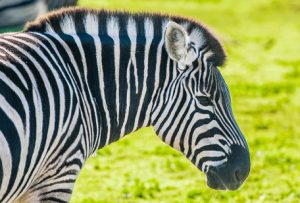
(72,20)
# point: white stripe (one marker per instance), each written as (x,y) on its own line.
(169,114)
(132,34)
(149,34)
(68,27)
(18,73)
(157,76)
(209,154)
(172,132)
(213,163)
(127,100)
(206,71)
(56,153)
(113,32)
(160,102)
(223,119)
(49,28)
(15,118)
(5,157)
(98,54)
(205,141)
(211,140)
(91,25)
(173,83)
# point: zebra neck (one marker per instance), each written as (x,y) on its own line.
(123,76)
(123,60)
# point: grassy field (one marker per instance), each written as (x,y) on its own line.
(263,73)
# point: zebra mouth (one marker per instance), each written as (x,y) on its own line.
(214,181)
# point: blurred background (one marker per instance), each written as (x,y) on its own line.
(263,73)
(15,13)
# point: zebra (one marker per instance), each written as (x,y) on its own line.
(18,12)
(79,79)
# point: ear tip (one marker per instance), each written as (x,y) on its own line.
(171,25)
(175,29)
(176,40)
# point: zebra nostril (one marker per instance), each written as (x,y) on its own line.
(237,175)
(239,162)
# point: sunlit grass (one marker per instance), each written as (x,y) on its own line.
(263,72)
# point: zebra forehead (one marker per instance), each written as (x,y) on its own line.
(81,20)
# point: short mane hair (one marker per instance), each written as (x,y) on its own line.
(54,18)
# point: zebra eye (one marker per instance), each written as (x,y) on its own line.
(204,101)
(223,142)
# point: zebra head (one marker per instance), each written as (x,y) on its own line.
(192,113)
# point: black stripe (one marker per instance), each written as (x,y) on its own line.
(109,78)
(125,45)
(12,137)
(151,69)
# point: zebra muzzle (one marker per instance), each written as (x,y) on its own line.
(232,174)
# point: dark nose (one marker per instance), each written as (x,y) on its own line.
(233,173)
(239,163)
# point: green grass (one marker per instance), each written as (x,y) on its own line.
(263,73)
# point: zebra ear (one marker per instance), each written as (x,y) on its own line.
(177,44)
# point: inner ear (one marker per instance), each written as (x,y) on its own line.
(176,41)
(177,44)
